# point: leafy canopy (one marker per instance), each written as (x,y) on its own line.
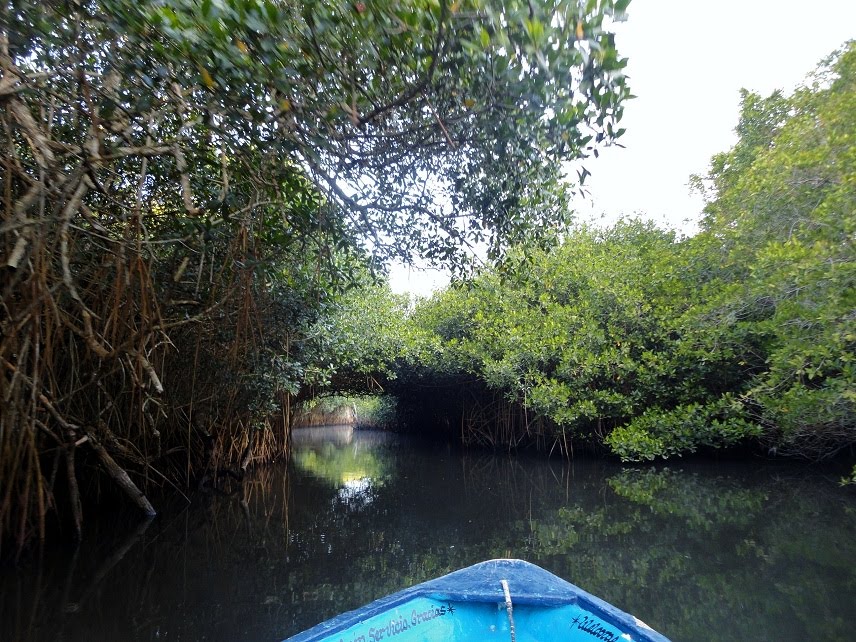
(429,125)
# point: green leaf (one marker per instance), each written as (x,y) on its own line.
(485,38)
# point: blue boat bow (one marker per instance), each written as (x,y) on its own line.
(495,600)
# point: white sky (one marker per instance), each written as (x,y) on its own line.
(688,60)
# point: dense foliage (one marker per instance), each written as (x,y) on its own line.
(743,334)
(370,99)
(589,336)
(189,185)
(783,216)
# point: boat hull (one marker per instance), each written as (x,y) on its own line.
(496,600)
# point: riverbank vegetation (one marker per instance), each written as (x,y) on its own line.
(189,187)
(632,341)
(371,411)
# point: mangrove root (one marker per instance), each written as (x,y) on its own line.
(122,478)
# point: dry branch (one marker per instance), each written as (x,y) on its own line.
(74,492)
(121,477)
(39,143)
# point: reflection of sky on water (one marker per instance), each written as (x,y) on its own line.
(353,468)
(357,492)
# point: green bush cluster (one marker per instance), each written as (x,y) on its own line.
(656,346)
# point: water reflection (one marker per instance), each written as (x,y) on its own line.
(308,438)
(701,552)
(355,468)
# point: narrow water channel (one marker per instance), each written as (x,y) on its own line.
(701,551)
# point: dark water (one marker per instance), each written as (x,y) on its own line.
(709,551)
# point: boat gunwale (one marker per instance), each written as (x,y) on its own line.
(532,578)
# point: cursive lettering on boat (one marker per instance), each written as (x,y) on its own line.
(595,628)
(399,624)
(418,617)
(392,628)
